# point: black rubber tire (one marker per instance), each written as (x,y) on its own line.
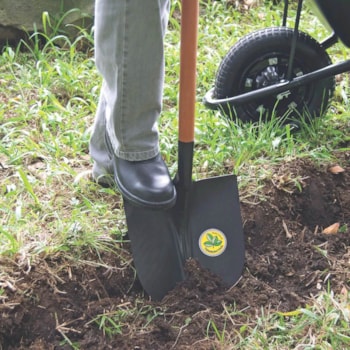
(244,66)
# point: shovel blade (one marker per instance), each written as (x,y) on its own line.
(155,249)
(209,229)
(215,230)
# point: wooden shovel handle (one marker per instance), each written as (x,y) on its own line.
(188,60)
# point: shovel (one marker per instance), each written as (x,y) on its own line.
(205,223)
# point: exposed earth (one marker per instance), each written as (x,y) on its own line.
(288,260)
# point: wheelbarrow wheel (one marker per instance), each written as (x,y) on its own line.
(261,59)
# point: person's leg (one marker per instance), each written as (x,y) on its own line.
(130,57)
(102,170)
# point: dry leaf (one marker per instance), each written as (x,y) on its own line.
(344,292)
(331,230)
(336,169)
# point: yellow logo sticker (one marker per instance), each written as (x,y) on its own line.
(212,242)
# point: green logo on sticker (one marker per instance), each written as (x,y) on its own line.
(212,242)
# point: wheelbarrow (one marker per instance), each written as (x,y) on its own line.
(282,70)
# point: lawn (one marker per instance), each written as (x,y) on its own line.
(67,279)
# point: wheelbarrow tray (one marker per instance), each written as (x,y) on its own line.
(335,15)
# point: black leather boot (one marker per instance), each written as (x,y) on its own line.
(146,183)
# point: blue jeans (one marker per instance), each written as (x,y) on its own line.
(129,55)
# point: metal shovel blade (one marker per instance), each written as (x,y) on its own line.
(155,249)
(214,234)
(205,225)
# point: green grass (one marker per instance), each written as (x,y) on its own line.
(48,97)
(324,325)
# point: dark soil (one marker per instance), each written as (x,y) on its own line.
(288,260)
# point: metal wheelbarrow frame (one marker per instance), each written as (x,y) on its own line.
(282,70)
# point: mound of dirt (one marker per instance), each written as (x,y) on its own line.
(56,303)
